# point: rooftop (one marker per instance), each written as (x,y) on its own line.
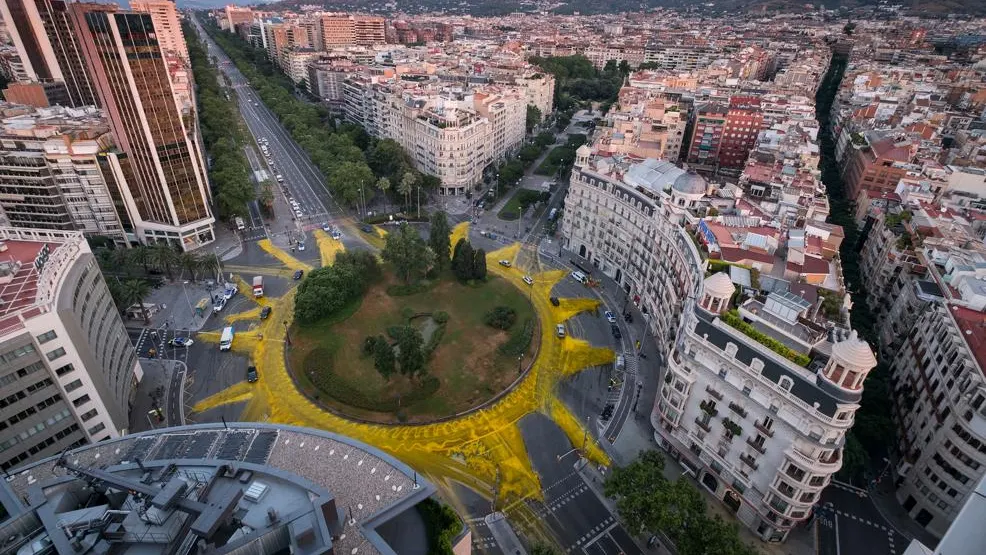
(301,489)
(31,261)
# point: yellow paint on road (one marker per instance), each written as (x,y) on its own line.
(481,449)
(252,314)
(460,231)
(285,258)
(327,247)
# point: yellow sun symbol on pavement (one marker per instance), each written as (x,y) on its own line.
(484,449)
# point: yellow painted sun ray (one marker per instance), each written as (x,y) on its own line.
(460,231)
(327,247)
(285,258)
(236,393)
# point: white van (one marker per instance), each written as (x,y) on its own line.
(226,340)
(580,277)
(621,363)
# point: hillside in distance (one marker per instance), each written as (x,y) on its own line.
(712,7)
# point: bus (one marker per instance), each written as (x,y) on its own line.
(226,341)
(239,223)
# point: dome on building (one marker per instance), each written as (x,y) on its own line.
(689,183)
(583,150)
(854,352)
(719,285)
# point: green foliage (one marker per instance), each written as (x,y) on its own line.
(442,525)
(410,355)
(439,240)
(222,134)
(440,317)
(544,139)
(318,368)
(855,460)
(407,252)
(529,153)
(542,549)
(733,318)
(405,290)
(479,265)
(463,260)
(327,290)
(520,202)
(519,340)
(831,304)
(648,501)
(732,427)
(561,158)
(501,318)
(533,117)
(383,357)
(511,172)
(433,341)
(387,158)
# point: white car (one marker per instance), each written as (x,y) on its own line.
(301,246)
(181,342)
(610,317)
(528,280)
(560,331)
(505,263)
(326,228)
(580,277)
(219,306)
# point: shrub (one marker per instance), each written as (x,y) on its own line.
(326,291)
(406,313)
(369,344)
(433,341)
(501,318)
(394,332)
(442,525)
(519,341)
(733,318)
(440,317)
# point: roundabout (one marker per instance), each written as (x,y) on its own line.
(484,449)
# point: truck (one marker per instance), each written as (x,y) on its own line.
(258,286)
(226,340)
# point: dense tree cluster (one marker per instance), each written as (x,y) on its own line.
(467,263)
(327,290)
(577,80)
(501,318)
(648,501)
(408,253)
(222,133)
(337,151)
(439,240)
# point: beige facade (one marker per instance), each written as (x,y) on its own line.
(167,25)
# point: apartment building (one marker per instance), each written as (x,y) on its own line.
(644,126)
(296,62)
(167,194)
(348,29)
(167,26)
(326,79)
(707,133)
(48,47)
(68,372)
(235,16)
(744,121)
(877,162)
(54,174)
(679,57)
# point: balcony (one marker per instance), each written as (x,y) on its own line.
(715,394)
(763,429)
(708,408)
(703,425)
(826,465)
(749,461)
(761,448)
(738,410)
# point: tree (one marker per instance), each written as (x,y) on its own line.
(439,240)
(383,357)
(463,260)
(348,178)
(542,549)
(189,262)
(327,290)
(408,253)
(624,67)
(133,292)
(384,185)
(479,265)
(163,257)
(406,186)
(501,318)
(387,158)
(533,117)
(409,351)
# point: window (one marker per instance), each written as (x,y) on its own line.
(52,355)
(47,336)
(89,415)
(62,370)
(72,386)
(785,383)
(81,401)
(97,428)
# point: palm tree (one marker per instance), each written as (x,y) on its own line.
(133,292)
(384,185)
(140,255)
(406,186)
(163,257)
(190,263)
(207,265)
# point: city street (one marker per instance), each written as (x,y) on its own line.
(849,524)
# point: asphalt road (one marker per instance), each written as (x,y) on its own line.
(849,524)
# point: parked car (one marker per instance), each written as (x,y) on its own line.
(326,228)
(252,374)
(610,317)
(505,263)
(181,342)
(616,331)
(298,274)
(366,228)
(554,301)
(580,277)
(560,330)
(265,312)
(301,246)
(528,280)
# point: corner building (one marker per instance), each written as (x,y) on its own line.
(68,371)
(167,191)
(761,432)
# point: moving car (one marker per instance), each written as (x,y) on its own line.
(265,312)
(181,342)
(298,274)
(251,374)
(336,234)
(580,277)
(326,228)
(554,301)
(528,280)
(366,228)
(219,306)
(505,263)
(301,246)
(610,317)
(560,330)
(616,331)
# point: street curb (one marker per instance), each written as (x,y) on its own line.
(181,391)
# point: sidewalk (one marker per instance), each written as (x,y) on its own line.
(157,384)
(883,497)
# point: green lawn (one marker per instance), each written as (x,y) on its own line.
(518,203)
(466,364)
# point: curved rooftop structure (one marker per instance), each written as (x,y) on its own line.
(690,183)
(719,285)
(220,488)
(854,351)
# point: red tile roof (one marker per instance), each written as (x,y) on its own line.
(21,290)
(973,326)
